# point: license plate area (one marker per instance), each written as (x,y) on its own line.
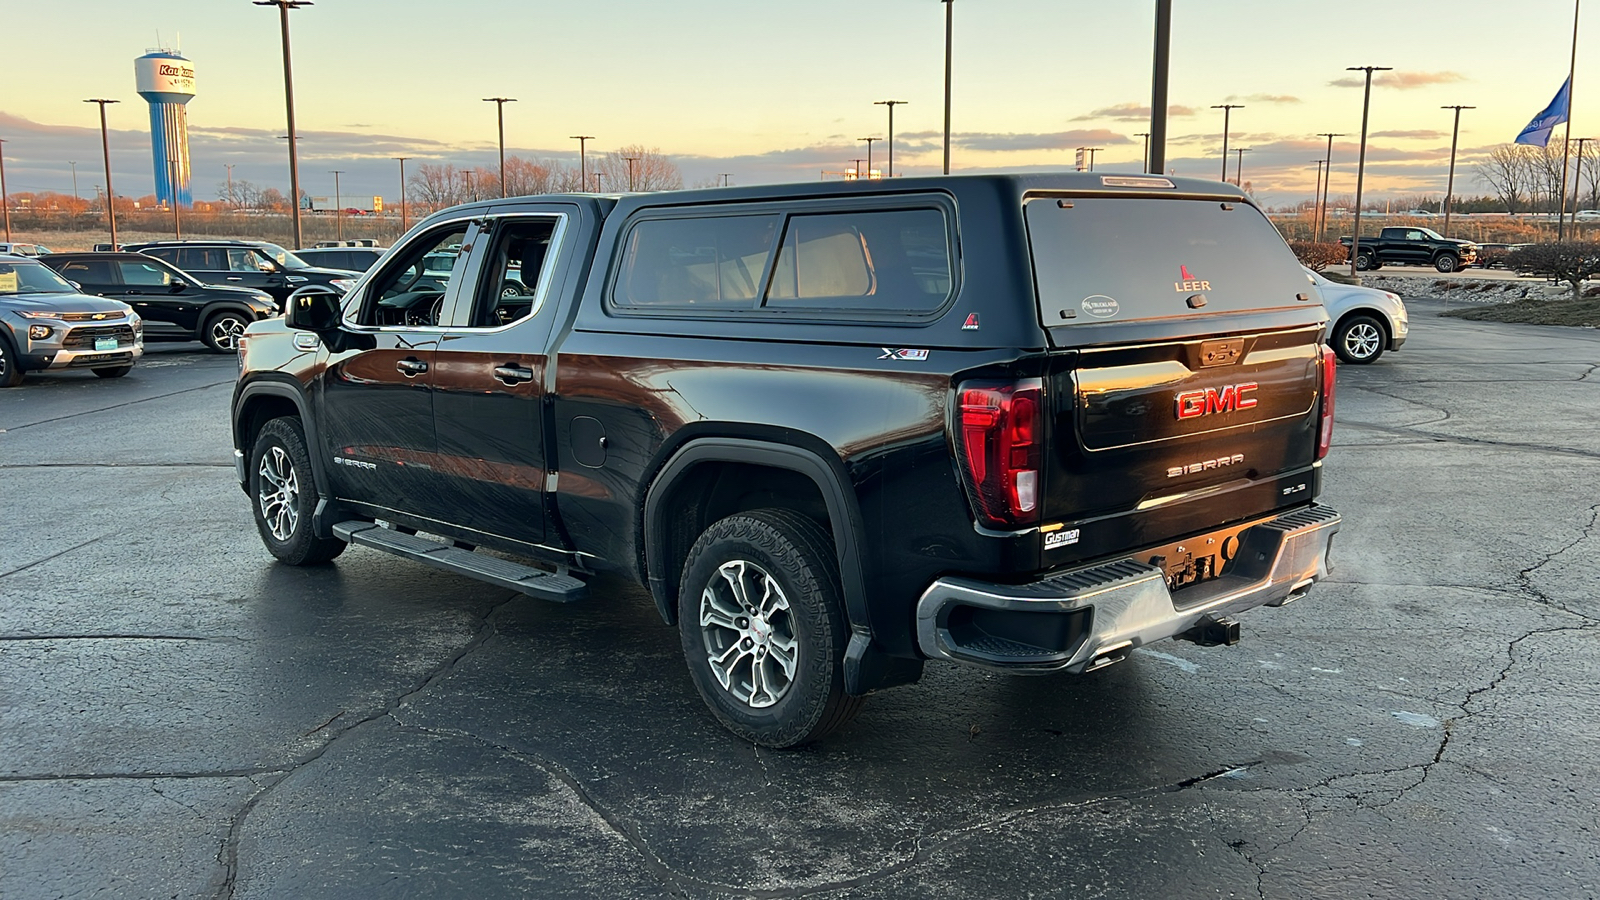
(109,343)
(1199,559)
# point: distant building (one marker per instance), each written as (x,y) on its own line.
(166,80)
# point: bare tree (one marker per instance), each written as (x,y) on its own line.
(651,171)
(435,187)
(1506,173)
(530,176)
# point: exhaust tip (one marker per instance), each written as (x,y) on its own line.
(1111,655)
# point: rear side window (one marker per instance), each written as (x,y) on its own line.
(88,271)
(148,274)
(886,260)
(1115,259)
(711,262)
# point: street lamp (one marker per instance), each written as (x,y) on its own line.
(583,169)
(1227,111)
(105,150)
(338,206)
(5,203)
(1158,89)
(631,160)
(725,177)
(1316,196)
(500,119)
(891,104)
(949,20)
(74,164)
(1450,185)
(288,98)
(1322,219)
(1361,162)
(869,141)
(1092,151)
(402,160)
(858,161)
(1145,164)
(1238,172)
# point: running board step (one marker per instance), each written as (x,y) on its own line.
(492,569)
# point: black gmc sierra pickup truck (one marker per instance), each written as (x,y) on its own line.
(1412,246)
(1027,423)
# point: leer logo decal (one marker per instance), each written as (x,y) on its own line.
(1190,284)
(1230,398)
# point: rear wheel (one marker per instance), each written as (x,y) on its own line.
(762,624)
(1447,262)
(10,366)
(283,496)
(1359,339)
(113,372)
(1365,262)
(222,331)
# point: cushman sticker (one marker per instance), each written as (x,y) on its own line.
(913,355)
(1061,538)
(1100,306)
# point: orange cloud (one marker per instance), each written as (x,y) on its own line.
(1404,81)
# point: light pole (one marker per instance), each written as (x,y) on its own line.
(1227,111)
(858,161)
(1316,198)
(1322,220)
(74,164)
(288,99)
(583,168)
(1092,151)
(869,141)
(891,104)
(631,160)
(725,177)
(1566,143)
(1158,88)
(105,150)
(338,207)
(949,20)
(1450,185)
(5,202)
(500,120)
(1144,165)
(1238,172)
(229,167)
(1361,162)
(402,160)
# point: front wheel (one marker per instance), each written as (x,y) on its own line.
(1359,340)
(223,330)
(1447,262)
(10,366)
(283,496)
(113,371)
(762,625)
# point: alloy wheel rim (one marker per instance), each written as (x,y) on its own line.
(3,362)
(747,629)
(1361,341)
(279,493)
(225,332)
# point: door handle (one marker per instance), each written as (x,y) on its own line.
(511,374)
(411,367)
(234,278)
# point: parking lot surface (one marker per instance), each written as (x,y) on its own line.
(181,717)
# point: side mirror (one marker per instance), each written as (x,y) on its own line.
(179,287)
(267,265)
(314,308)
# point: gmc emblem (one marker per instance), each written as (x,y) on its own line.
(1230,398)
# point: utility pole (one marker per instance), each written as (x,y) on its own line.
(288,98)
(1144,165)
(583,169)
(1158,89)
(5,200)
(949,19)
(402,160)
(891,104)
(1361,163)
(74,164)
(1238,172)
(500,119)
(631,160)
(869,141)
(1227,111)
(1450,185)
(1322,221)
(1566,143)
(231,200)
(105,150)
(338,207)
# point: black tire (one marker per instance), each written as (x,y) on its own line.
(769,548)
(1360,339)
(280,470)
(1366,262)
(113,372)
(509,288)
(1447,262)
(10,364)
(221,330)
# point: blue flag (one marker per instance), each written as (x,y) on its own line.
(1538,131)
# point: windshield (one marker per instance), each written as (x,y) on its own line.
(31,278)
(284,258)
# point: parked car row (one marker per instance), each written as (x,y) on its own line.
(47,323)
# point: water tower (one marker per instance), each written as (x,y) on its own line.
(166,80)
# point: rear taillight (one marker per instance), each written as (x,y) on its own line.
(1325,414)
(1001,435)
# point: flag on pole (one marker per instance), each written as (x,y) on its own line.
(1538,131)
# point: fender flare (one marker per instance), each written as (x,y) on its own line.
(272,387)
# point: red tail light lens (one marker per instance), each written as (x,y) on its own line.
(1325,426)
(1001,436)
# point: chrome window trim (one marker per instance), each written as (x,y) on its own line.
(540,291)
(348,319)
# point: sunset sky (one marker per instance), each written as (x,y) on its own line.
(780,91)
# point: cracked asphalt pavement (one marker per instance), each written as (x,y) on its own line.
(181,717)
